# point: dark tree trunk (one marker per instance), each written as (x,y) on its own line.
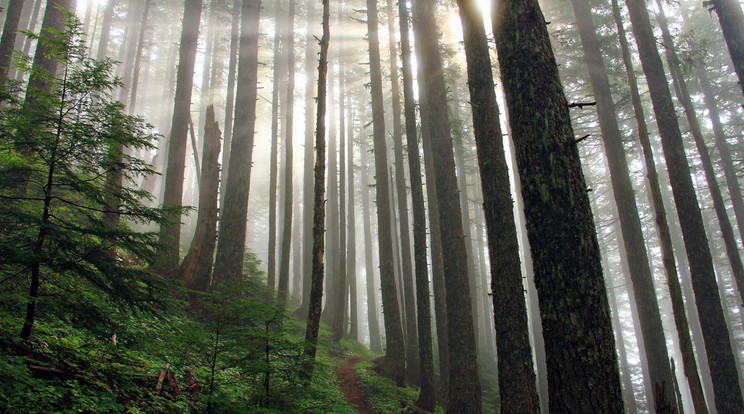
(375,342)
(717,343)
(464,394)
(662,226)
(577,328)
(7,41)
(732,25)
(427,397)
(197,266)
(652,330)
(130,47)
(307,174)
(283,290)
(228,266)
(395,363)
(170,236)
(230,99)
(316,291)
(409,301)
(516,375)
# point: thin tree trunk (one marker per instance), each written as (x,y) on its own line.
(724,151)
(232,228)
(640,275)
(394,365)
(577,328)
(516,376)
(316,294)
(351,253)
(717,343)
(138,59)
(278,74)
(170,236)
(662,226)
(409,301)
(427,397)
(283,291)
(307,174)
(103,42)
(464,387)
(197,266)
(230,99)
(375,342)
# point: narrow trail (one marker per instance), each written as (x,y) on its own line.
(350,387)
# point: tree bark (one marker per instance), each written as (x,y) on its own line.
(577,328)
(717,343)
(228,267)
(283,290)
(230,99)
(464,387)
(516,375)
(316,294)
(427,397)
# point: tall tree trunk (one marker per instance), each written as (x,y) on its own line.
(351,253)
(717,343)
(230,99)
(307,174)
(228,266)
(731,19)
(278,74)
(130,47)
(516,375)
(7,41)
(662,226)
(340,299)
(283,290)
(654,341)
(394,365)
(197,266)
(577,328)
(724,150)
(409,301)
(24,43)
(464,394)
(316,294)
(427,397)
(375,342)
(103,41)
(138,59)
(170,236)
(683,96)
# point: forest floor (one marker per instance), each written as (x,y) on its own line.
(349,385)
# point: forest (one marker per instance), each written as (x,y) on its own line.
(372,206)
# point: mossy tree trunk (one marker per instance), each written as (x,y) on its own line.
(579,344)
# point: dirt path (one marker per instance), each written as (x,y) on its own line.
(350,387)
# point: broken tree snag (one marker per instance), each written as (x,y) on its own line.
(194,388)
(161,377)
(197,265)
